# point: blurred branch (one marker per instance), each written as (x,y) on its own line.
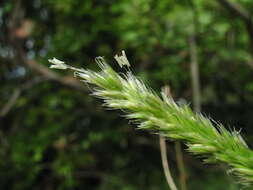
(11,102)
(180,165)
(241,12)
(163,149)
(47,73)
(16,94)
(236,8)
(195,73)
(250,64)
(166,168)
(194,61)
(179,155)
(15,19)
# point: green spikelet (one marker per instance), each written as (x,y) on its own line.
(162,115)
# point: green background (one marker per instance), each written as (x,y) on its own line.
(53,135)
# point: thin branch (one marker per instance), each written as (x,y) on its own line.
(180,164)
(11,102)
(194,61)
(239,11)
(195,74)
(236,8)
(16,94)
(166,168)
(179,155)
(21,56)
(47,73)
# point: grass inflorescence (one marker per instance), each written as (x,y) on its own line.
(161,114)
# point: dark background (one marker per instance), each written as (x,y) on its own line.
(53,135)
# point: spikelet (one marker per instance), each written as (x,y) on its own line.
(162,115)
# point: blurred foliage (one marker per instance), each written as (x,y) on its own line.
(55,137)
